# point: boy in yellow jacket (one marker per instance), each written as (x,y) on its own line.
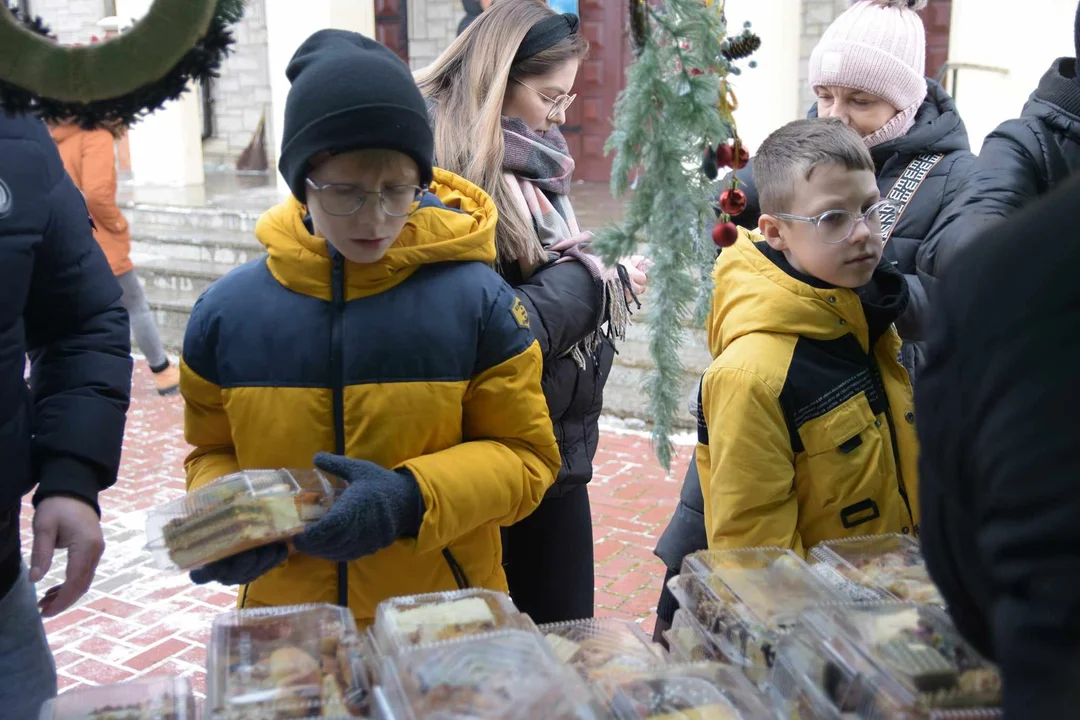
(806,426)
(375,330)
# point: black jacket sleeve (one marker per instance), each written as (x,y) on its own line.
(1006,177)
(997,417)
(78,338)
(565,305)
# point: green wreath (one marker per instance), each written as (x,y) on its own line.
(117,82)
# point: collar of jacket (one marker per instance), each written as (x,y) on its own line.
(455,222)
(751,293)
(1058,88)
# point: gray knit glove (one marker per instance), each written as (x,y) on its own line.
(378,507)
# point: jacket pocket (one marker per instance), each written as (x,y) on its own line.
(844,464)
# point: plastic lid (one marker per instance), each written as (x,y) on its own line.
(509,675)
(600,648)
(687,642)
(422,619)
(149,698)
(295,661)
(916,657)
(704,691)
(235,513)
(876,567)
(744,597)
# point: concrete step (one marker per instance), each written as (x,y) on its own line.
(150,242)
(198,218)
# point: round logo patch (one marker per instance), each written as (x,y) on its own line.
(5,199)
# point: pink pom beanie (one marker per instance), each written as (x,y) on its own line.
(879,47)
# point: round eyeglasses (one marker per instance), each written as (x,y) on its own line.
(558,105)
(836,226)
(345,200)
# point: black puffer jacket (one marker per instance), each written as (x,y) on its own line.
(938,129)
(59,303)
(1022,159)
(564,302)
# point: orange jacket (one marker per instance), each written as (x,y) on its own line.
(90,159)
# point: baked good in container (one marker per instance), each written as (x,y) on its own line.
(599,648)
(437,617)
(876,567)
(149,698)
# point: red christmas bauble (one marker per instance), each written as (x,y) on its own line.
(725,234)
(741,158)
(696,71)
(724,155)
(733,202)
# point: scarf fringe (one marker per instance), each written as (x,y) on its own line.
(616,315)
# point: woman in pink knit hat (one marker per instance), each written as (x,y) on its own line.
(869,70)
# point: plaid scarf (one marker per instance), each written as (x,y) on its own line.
(537,169)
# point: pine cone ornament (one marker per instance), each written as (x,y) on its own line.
(725,234)
(724,155)
(708,164)
(741,46)
(639,24)
(733,202)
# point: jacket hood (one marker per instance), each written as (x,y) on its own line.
(60,133)
(454,222)
(1057,99)
(938,128)
(751,294)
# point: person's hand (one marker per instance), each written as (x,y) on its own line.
(378,507)
(64,522)
(637,270)
(242,568)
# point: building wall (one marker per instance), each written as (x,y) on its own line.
(432,27)
(817,15)
(242,93)
(72,21)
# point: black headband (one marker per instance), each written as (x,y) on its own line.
(546,34)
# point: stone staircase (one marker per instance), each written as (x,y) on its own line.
(181,251)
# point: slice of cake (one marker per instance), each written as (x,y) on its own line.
(444,621)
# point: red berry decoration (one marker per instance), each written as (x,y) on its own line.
(725,234)
(724,155)
(741,157)
(694,72)
(733,202)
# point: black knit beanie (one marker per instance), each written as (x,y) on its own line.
(350,93)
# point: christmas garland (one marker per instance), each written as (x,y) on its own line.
(678,104)
(120,81)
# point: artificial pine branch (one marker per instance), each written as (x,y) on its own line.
(664,118)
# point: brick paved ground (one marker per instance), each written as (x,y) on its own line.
(137,620)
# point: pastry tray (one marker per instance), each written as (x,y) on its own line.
(405,622)
(699,691)
(687,642)
(149,698)
(599,648)
(510,675)
(235,513)
(907,658)
(299,661)
(743,599)
(876,567)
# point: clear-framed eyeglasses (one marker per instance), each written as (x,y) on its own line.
(836,226)
(558,105)
(345,200)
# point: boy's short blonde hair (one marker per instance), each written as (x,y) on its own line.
(793,151)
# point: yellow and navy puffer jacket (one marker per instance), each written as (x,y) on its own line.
(806,423)
(423,360)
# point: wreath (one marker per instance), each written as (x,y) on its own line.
(119,81)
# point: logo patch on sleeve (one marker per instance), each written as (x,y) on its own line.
(521,315)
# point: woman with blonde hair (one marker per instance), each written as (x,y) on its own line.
(497,97)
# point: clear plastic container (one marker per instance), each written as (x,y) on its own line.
(700,691)
(511,675)
(876,567)
(404,622)
(299,661)
(686,641)
(744,599)
(601,648)
(890,660)
(236,513)
(149,698)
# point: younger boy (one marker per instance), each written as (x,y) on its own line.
(806,428)
(375,330)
